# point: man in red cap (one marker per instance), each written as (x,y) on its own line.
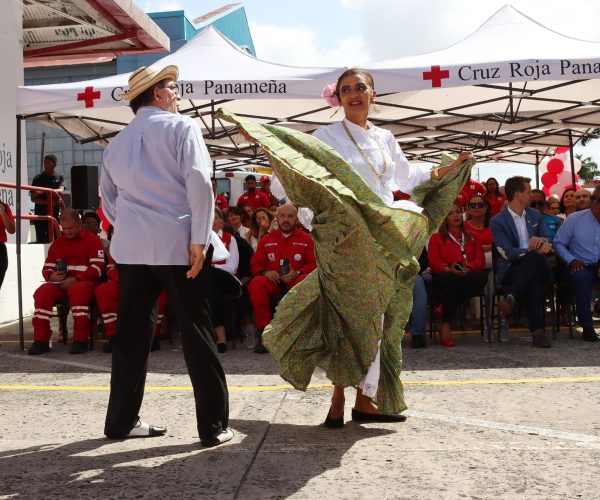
(253,197)
(265,187)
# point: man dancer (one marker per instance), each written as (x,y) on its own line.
(156,191)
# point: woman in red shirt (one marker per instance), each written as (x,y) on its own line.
(494,196)
(7,223)
(477,223)
(456,260)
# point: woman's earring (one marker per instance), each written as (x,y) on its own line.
(376,108)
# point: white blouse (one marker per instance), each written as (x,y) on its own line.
(375,142)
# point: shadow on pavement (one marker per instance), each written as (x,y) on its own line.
(98,468)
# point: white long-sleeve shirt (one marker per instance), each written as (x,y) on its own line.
(374,141)
(156,189)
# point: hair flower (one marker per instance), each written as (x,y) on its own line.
(329,95)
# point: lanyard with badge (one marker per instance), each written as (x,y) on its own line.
(460,243)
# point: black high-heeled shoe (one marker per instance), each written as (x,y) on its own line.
(334,423)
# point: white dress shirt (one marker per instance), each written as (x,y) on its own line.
(521,224)
(231,264)
(375,142)
(156,189)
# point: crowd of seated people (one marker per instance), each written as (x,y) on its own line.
(270,253)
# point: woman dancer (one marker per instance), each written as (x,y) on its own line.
(348,316)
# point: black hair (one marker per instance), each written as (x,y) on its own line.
(515,185)
(250,178)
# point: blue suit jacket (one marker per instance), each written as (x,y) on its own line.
(506,238)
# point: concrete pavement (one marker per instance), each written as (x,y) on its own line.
(485,421)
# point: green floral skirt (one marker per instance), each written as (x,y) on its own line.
(366,265)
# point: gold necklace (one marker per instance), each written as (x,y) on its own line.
(364,155)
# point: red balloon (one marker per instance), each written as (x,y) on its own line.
(555,166)
(548,179)
(546,190)
(561,150)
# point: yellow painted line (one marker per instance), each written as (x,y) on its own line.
(259,388)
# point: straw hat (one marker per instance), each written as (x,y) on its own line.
(143,78)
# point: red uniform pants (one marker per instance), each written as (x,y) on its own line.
(107,298)
(261,290)
(46,296)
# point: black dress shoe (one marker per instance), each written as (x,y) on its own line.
(333,423)
(589,334)
(78,348)
(221,347)
(223,437)
(38,347)
(418,342)
(259,348)
(142,429)
(108,347)
(361,416)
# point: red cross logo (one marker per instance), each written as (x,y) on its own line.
(436,76)
(88,96)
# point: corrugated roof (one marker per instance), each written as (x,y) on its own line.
(94,28)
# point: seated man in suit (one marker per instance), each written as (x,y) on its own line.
(577,243)
(520,237)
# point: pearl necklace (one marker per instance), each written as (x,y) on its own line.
(365,157)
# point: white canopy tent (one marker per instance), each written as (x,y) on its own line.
(513,91)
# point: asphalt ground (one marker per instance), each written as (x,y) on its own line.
(499,420)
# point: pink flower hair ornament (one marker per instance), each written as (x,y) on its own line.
(330,96)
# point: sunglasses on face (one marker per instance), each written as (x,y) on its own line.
(554,207)
(479,204)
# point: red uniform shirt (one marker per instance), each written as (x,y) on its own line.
(3,235)
(257,199)
(496,204)
(221,201)
(483,234)
(298,249)
(471,188)
(442,253)
(84,255)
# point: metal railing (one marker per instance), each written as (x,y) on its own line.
(51,194)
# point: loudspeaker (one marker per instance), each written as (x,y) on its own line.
(84,187)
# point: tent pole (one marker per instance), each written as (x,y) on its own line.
(215,169)
(572,155)
(18,245)
(537,169)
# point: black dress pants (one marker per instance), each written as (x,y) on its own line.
(453,290)
(140,286)
(526,278)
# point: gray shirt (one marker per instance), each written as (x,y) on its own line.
(156,189)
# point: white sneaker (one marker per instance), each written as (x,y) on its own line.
(226,435)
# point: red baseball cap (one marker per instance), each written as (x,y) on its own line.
(265,178)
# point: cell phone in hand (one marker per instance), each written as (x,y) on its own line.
(458,266)
(61,266)
(284,267)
